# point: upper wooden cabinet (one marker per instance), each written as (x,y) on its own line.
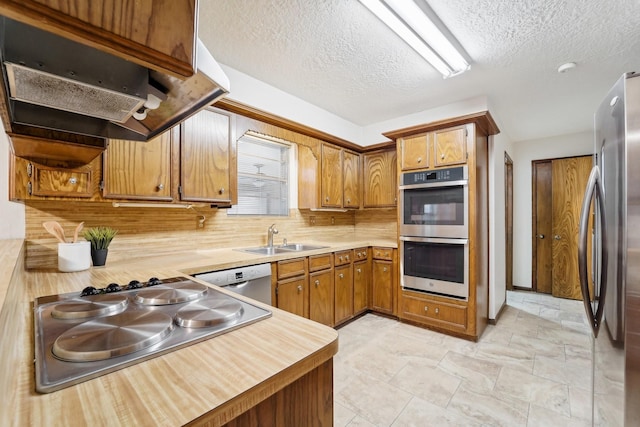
(380,179)
(328,177)
(158,34)
(442,147)
(138,170)
(206,158)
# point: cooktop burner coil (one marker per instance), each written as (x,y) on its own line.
(112,336)
(93,306)
(209,312)
(175,294)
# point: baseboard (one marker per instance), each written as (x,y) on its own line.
(521,288)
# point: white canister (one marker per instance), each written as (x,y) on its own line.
(74,256)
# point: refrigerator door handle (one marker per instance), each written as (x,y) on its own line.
(594,187)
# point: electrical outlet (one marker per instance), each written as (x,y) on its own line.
(312,220)
(333,220)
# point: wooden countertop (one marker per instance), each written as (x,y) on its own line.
(224,375)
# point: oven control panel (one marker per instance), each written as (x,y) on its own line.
(438,175)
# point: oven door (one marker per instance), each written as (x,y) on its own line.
(439,266)
(438,209)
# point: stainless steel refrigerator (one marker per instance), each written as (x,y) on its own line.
(609,257)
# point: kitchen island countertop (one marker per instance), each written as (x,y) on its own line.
(214,380)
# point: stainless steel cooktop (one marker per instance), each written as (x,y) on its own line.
(83,335)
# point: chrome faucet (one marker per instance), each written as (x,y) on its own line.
(272,230)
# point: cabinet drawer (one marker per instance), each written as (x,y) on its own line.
(434,312)
(360,254)
(61,182)
(383,253)
(342,257)
(291,268)
(319,262)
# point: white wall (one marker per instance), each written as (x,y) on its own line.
(12,218)
(524,152)
(498,145)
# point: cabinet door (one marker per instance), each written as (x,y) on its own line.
(205,152)
(138,170)
(351,176)
(343,293)
(48,181)
(360,286)
(450,146)
(331,171)
(414,153)
(382,277)
(291,296)
(321,297)
(380,179)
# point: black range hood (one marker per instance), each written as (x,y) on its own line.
(57,84)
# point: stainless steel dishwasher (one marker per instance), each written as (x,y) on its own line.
(253,281)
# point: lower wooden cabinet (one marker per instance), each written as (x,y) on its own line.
(425,309)
(292,285)
(361,281)
(321,297)
(382,286)
(343,293)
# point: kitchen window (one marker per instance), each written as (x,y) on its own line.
(264,176)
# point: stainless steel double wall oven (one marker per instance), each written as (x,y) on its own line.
(434,231)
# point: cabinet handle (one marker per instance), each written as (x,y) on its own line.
(348,200)
(326,199)
(384,269)
(359,271)
(437,310)
(419,159)
(299,288)
(317,282)
(221,191)
(340,258)
(426,308)
(347,257)
(341,276)
(442,156)
(73,181)
(160,186)
(557,237)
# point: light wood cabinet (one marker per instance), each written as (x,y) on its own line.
(343,279)
(422,308)
(206,157)
(442,147)
(292,296)
(138,170)
(292,285)
(361,280)
(328,177)
(383,280)
(351,179)
(140,35)
(380,179)
(455,141)
(35,181)
(321,289)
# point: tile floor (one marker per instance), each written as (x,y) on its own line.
(531,369)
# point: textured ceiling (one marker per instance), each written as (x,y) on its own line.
(336,55)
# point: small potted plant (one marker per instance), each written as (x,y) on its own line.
(100,238)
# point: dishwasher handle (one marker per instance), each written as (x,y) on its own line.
(238,285)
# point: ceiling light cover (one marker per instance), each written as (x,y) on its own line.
(410,22)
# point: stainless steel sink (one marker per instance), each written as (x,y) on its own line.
(265,250)
(301,247)
(290,247)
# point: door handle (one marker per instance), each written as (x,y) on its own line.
(557,237)
(540,236)
(594,185)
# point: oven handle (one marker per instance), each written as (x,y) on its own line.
(463,182)
(434,240)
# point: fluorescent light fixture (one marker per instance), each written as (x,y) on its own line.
(411,23)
